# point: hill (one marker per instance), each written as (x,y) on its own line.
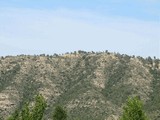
(92,86)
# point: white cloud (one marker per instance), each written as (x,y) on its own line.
(64,30)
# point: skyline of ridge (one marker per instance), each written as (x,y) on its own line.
(45,26)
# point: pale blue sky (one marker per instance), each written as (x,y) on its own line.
(58,26)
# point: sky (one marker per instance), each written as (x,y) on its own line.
(58,26)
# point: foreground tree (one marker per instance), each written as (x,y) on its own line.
(59,113)
(25,113)
(39,108)
(14,116)
(34,113)
(133,110)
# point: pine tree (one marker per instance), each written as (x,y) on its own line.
(14,116)
(34,113)
(133,110)
(59,113)
(39,108)
(25,113)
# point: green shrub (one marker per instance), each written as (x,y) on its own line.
(59,113)
(133,110)
(39,108)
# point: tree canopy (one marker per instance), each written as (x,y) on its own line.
(133,110)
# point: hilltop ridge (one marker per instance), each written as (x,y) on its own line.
(91,85)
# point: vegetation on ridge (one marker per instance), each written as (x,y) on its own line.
(90,85)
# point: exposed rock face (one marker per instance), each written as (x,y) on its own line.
(92,86)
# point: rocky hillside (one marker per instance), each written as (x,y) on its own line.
(92,86)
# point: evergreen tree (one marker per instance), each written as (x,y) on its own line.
(59,114)
(133,110)
(36,112)
(39,108)
(14,116)
(25,113)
